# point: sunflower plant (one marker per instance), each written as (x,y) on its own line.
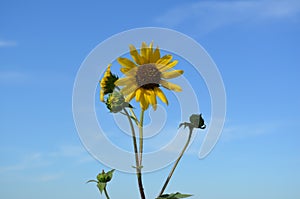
(145,77)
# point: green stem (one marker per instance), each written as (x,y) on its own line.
(141,140)
(134,116)
(177,161)
(138,167)
(105,192)
(133,138)
(131,111)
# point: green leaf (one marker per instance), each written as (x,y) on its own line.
(176,195)
(101,186)
(92,181)
(139,167)
(179,195)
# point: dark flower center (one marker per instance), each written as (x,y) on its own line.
(148,76)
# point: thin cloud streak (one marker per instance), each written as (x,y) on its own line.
(36,160)
(7,43)
(6,76)
(31,161)
(237,132)
(48,177)
(210,15)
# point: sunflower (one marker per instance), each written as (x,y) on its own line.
(107,83)
(146,74)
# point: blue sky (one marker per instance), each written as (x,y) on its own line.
(255,45)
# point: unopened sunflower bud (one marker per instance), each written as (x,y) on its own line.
(105,177)
(197,121)
(116,102)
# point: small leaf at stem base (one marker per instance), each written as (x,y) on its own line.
(176,195)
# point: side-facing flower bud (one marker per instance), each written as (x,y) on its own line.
(197,121)
(107,83)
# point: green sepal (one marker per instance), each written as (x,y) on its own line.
(101,186)
(176,195)
(109,175)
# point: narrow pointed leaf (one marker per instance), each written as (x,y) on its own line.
(176,195)
(92,181)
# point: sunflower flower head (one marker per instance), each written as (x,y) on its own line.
(107,83)
(146,74)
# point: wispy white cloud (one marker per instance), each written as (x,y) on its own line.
(43,161)
(68,151)
(205,16)
(9,76)
(48,177)
(236,132)
(4,43)
(30,161)
(77,153)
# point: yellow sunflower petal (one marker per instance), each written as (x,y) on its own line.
(144,103)
(152,98)
(128,89)
(155,56)
(129,72)
(130,96)
(126,63)
(168,66)
(164,61)
(170,86)
(150,52)
(138,94)
(102,83)
(135,55)
(161,95)
(102,95)
(124,70)
(172,74)
(105,76)
(124,81)
(144,51)
(151,46)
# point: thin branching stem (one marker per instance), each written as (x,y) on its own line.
(176,163)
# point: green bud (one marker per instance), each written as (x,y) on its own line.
(105,177)
(197,121)
(116,102)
